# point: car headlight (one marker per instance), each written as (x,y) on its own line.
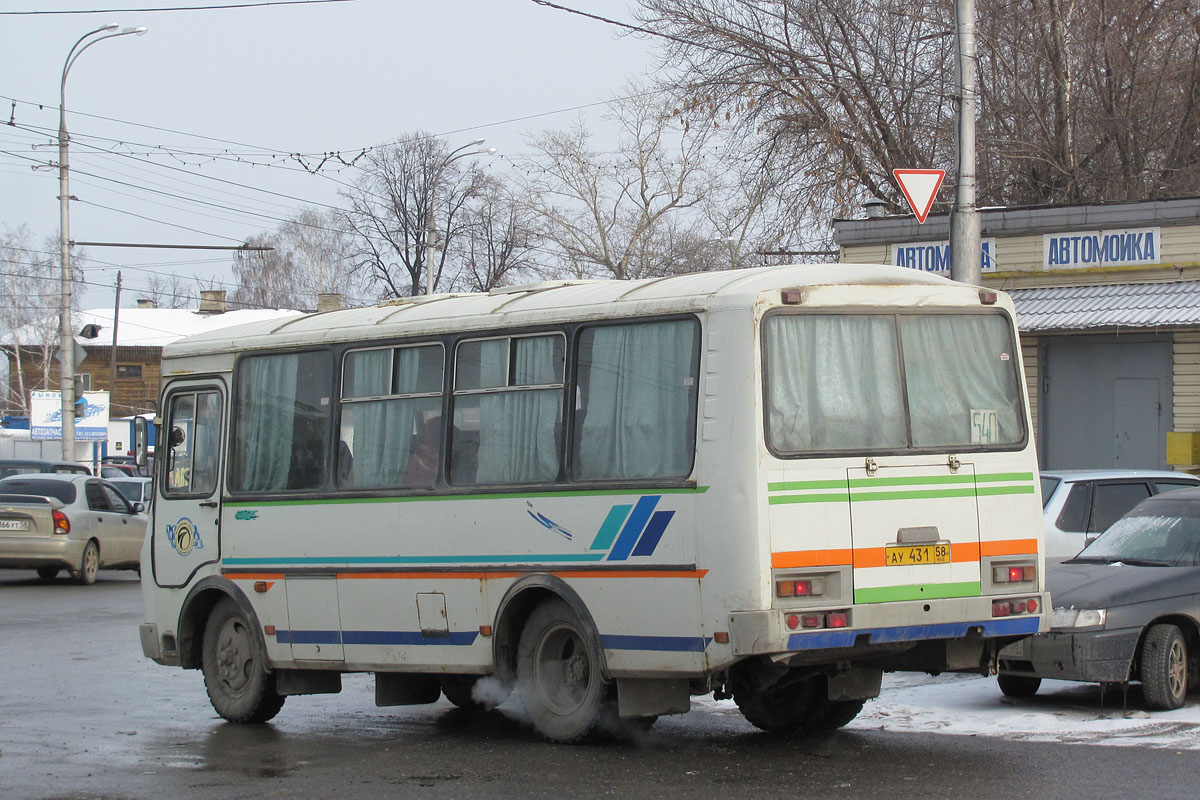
(1078,617)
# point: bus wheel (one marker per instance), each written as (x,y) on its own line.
(829,715)
(558,675)
(235,671)
(780,709)
(1018,685)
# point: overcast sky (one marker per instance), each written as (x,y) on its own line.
(148,115)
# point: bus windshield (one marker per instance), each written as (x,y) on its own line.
(891,382)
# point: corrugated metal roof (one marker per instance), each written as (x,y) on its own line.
(1125,305)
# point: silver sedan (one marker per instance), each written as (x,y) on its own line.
(74,522)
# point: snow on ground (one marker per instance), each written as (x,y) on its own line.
(1061,711)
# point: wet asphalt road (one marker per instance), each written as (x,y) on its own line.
(84,715)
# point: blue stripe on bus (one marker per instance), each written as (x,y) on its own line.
(409,560)
(653,532)
(634,527)
(674,644)
(612,524)
(950,630)
(457,638)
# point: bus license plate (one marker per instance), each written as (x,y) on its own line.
(14,524)
(908,555)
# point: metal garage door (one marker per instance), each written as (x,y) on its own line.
(1105,402)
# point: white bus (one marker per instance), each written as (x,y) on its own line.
(770,484)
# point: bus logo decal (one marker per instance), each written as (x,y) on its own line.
(547,523)
(636,529)
(184,537)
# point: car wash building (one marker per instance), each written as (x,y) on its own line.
(1108,306)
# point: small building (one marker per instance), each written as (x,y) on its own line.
(141,333)
(1108,305)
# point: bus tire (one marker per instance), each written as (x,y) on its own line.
(829,715)
(558,675)
(1018,685)
(780,709)
(239,685)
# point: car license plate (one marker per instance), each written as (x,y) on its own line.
(908,555)
(14,524)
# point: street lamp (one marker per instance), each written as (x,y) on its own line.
(454,155)
(66,338)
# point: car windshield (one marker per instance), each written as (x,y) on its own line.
(1148,539)
(62,490)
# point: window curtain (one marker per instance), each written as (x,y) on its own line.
(833,383)
(637,392)
(519,430)
(954,364)
(267,397)
(382,437)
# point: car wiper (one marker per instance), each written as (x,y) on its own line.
(1090,560)
(1145,562)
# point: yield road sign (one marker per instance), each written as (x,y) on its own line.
(920,186)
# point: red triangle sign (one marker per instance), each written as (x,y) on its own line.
(920,186)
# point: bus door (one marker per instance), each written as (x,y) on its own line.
(915,531)
(187,515)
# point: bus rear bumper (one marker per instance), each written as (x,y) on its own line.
(882,627)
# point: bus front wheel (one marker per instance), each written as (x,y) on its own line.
(235,667)
(558,674)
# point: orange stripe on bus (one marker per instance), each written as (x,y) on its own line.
(1011,547)
(812,558)
(865,557)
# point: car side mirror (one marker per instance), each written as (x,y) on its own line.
(176,438)
(139,507)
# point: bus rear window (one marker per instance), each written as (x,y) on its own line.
(838,382)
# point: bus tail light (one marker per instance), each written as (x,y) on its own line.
(1007,608)
(61,523)
(829,619)
(1021,573)
(806,587)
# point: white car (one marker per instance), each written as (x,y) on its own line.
(136,490)
(1079,504)
(79,523)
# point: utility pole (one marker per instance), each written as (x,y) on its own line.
(966,246)
(112,363)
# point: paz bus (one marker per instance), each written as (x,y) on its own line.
(769,485)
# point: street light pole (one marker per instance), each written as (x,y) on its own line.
(454,155)
(66,335)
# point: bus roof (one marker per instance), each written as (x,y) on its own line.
(556,301)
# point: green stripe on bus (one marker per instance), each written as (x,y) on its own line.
(927,591)
(439,497)
(780,499)
(918,480)
(994,490)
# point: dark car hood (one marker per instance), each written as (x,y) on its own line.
(1108,585)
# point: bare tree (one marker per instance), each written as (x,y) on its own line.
(1080,101)
(169,292)
(29,315)
(607,213)
(501,243)
(389,207)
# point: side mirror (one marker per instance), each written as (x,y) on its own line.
(140,441)
(176,438)
(139,507)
